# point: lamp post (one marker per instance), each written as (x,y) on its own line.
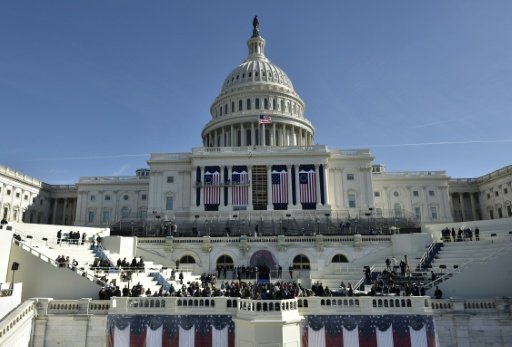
(370,210)
(14,267)
(368,214)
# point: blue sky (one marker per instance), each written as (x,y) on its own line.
(92,87)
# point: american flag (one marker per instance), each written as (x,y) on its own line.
(212,188)
(307,181)
(240,189)
(279,187)
(265,119)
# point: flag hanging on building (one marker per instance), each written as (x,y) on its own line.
(265,119)
(369,331)
(212,185)
(307,182)
(279,185)
(240,186)
(170,331)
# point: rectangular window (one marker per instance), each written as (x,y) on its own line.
(496,193)
(417,213)
(107,197)
(376,194)
(25,197)
(93,197)
(415,193)
(169,203)
(488,196)
(509,210)
(91,217)
(431,193)
(170,179)
(225,108)
(257,104)
(8,192)
(265,103)
(491,214)
(240,104)
(232,106)
(505,191)
(143,197)
(105,218)
(500,213)
(17,195)
(273,104)
(352,200)
(143,214)
(433,212)
(248,104)
(350,177)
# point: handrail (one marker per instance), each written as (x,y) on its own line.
(50,261)
(464,265)
(18,316)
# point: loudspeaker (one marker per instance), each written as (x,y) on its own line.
(15,266)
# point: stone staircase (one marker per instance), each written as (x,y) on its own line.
(454,256)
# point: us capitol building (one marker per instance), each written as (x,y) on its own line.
(257,194)
(258,161)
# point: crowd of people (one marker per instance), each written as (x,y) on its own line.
(462,234)
(73,237)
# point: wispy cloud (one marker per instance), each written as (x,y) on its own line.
(96,157)
(440,143)
(120,171)
(425,125)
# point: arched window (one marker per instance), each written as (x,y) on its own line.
(339,258)
(301,262)
(265,103)
(398,210)
(232,106)
(248,104)
(240,104)
(225,261)
(187,259)
(257,103)
(125,213)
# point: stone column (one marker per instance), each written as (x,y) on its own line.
(463,207)
(326,184)
(223,139)
(193,182)
(290,186)
(230,186)
(232,137)
(263,139)
(273,135)
(297,185)
(270,206)
(473,205)
(249,203)
(201,194)
(317,174)
(253,137)
(242,135)
(54,217)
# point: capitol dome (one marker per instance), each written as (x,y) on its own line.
(257,105)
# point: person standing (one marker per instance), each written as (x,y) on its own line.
(59,236)
(477,234)
(290,270)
